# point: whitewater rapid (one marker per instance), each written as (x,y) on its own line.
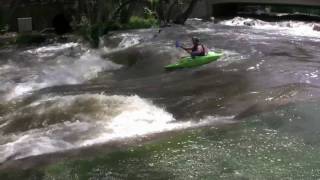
(85,120)
(293,28)
(53,65)
(62,122)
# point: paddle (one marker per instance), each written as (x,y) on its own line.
(178,45)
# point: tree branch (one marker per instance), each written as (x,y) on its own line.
(181,19)
(122,5)
(170,10)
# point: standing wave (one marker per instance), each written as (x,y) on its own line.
(63,123)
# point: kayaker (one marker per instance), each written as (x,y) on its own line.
(197,49)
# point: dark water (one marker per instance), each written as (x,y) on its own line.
(68,112)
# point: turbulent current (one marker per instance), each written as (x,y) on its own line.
(116,113)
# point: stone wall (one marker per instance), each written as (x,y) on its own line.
(42,11)
(288,2)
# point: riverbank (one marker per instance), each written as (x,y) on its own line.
(85,33)
(36,39)
(7,39)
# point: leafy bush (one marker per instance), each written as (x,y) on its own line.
(140,23)
(2,24)
(4,29)
(92,33)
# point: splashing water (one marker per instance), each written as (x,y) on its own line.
(94,119)
(297,28)
(62,70)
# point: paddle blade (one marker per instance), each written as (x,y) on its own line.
(178,44)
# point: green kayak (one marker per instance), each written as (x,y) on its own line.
(188,62)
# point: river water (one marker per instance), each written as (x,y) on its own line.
(71,112)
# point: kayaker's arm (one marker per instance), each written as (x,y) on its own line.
(189,50)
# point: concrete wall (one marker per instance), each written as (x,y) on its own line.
(42,12)
(42,16)
(290,2)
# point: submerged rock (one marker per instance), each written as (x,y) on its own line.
(316,27)
(249,23)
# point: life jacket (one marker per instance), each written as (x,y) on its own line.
(204,50)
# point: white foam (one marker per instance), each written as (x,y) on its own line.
(194,19)
(127,40)
(53,48)
(296,28)
(116,118)
(64,70)
(201,30)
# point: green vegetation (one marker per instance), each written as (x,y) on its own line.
(140,23)
(92,33)
(103,16)
(30,38)
(94,19)
(3,27)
